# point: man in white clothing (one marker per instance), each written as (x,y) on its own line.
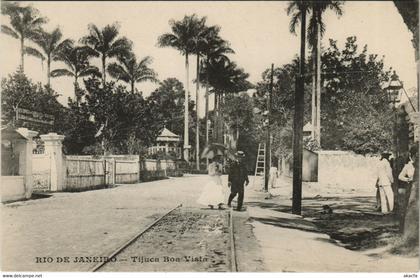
(384,181)
(273,175)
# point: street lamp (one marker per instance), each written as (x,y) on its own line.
(393,93)
(394,89)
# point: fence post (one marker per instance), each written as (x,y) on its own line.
(139,168)
(53,147)
(27,154)
(114,171)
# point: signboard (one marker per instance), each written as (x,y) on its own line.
(26,115)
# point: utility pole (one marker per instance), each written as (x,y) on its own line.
(268,136)
(298,122)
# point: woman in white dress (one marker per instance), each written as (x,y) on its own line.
(212,194)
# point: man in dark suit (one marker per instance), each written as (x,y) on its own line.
(238,175)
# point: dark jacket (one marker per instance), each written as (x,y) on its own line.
(238,174)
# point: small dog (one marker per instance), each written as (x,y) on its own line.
(326,209)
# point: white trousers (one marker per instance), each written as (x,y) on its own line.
(387,198)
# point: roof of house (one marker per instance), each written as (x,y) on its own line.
(167,135)
(9,133)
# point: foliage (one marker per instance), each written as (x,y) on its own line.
(76,58)
(409,11)
(167,106)
(20,92)
(106,43)
(25,23)
(51,45)
(118,121)
(132,71)
(239,116)
(354,111)
(183,33)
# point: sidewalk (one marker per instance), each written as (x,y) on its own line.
(292,243)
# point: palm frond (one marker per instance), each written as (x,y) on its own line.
(33,52)
(110,33)
(294,21)
(61,72)
(169,40)
(120,47)
(90,70)
(9,31)
(118,72)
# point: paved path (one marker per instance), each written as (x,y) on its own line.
(90,223)
(291,243)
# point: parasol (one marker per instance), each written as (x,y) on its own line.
(213,150)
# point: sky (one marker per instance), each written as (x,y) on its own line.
(258,32)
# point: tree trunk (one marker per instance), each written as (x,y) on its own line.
(48,71)
(132,86)
(186,138)
(314,94)
(298,123)
(215,118)
(318,82)
(221,119)
(197,127)
(22,54)
(103,69)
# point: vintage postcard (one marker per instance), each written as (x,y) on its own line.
(200,136)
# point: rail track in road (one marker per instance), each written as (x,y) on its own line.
(229,246)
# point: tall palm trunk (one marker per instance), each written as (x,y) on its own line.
(314,93)
(221,120)
(132,86)
(197,125)
(216,118)
(48,71)
(318,83)
(103,69)
(22,53)
(186,138)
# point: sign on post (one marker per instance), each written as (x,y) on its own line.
(29,116)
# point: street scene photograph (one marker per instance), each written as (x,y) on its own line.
(199,136)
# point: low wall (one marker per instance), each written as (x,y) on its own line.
(12,188)
(347,169)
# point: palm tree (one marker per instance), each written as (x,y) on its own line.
(25,22)
(316,30)
(203,42)
(106,43)
(225,77)
(131,71)
(51,44)
(182,39)
(215,51)
(76,58)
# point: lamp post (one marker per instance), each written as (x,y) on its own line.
(393,93)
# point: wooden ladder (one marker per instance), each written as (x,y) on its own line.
(260,163)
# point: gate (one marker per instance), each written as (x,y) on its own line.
(41,172)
